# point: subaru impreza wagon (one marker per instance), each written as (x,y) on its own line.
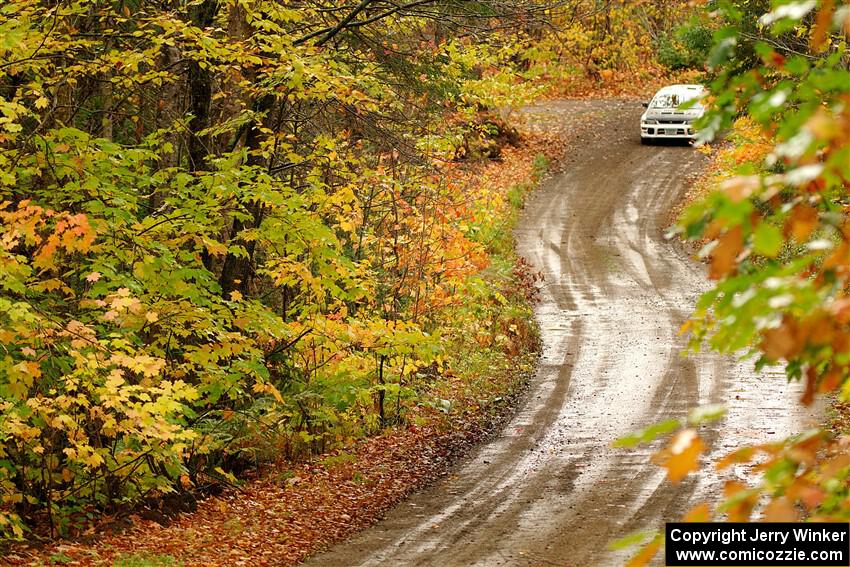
(666,119)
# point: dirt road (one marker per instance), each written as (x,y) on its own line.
(549,490)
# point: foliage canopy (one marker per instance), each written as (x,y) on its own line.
(223,235)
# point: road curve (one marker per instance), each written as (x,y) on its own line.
(550,490)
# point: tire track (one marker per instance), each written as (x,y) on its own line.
(550,490)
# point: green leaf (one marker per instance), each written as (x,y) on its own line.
(648,434)
(767,240)
(704,414)
(631,540)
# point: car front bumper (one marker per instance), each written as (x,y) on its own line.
(668,131)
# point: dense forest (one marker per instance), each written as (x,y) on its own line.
(231,234)
(242,235)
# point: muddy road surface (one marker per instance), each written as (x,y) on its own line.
(549,489)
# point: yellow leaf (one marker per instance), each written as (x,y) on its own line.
(94,460)
(274,392)
(49,285)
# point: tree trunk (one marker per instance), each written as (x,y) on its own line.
(200,92)
(236,272)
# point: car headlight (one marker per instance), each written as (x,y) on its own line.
(650,121)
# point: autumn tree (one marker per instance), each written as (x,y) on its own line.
(775,235)
(224,237)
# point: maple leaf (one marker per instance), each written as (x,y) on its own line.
(780,342)
(724,256)
(802,222)
(681,456)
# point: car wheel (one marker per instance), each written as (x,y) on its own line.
(646,141)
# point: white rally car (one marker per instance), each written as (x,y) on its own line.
(665,119)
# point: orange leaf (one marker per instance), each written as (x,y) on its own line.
(724,256)
(682,455)
(743,455)
(699,513)
(840,310)
(822,125)
(822,24)
(810,495)
(733,487)
(802,222)
(781,510)
(779,343)
(741,187)
(821,331)
(811,384)
(830,382)
(713,230)
(836,464)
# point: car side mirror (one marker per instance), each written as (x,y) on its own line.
(645,104)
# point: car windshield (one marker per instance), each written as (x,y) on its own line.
(673,100)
